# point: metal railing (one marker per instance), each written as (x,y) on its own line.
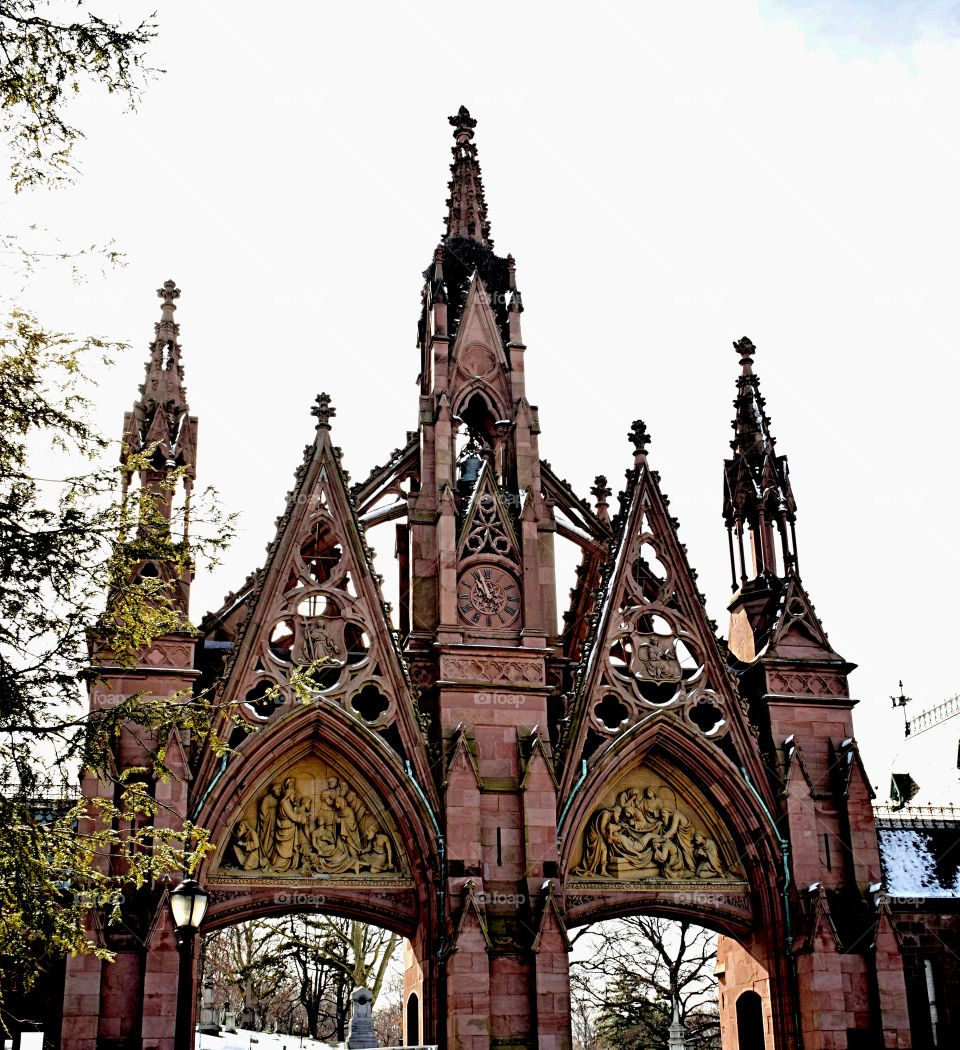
(917,816)
(928,719)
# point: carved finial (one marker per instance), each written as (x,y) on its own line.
(323,410)
(746,350)
(169,292)
(639,437)
(463,124)
(601,491)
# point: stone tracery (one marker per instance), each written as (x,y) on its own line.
(319,621)
(651,659)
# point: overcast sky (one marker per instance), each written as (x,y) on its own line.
(669,178)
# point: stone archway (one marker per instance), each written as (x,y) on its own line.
(663,826)
(319,815)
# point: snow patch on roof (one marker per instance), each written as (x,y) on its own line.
(910,865)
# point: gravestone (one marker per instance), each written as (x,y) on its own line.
(360,1034)
(209,1015)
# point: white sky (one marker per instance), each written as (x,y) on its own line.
(669,178)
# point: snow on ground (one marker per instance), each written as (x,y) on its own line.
(242,1039)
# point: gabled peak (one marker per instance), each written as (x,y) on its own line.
(478,324)
(797,631)
(487,526)
(652,651)
(318,604)
(466,207)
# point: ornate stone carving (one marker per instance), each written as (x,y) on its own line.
(318,639)
(323,410)
(175,656)
(796,683)
(311,822)
(646,832)
(477,362)
(480,669)
(324,616)
(488,534)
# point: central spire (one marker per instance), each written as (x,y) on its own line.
(466,207)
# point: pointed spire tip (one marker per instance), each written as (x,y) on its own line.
(466,207)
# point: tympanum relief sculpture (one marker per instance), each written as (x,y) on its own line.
(645,833)
(311,822)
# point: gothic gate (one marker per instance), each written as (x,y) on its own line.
(481,778)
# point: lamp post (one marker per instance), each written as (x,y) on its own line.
(188,905)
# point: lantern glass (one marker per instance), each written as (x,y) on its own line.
(188,904)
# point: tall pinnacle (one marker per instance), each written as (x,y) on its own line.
(757,495)
(466,207)
(752,437)
(161,416)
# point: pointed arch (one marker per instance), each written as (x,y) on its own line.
(711,791)
(400,899)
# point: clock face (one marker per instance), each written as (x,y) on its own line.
(488,596)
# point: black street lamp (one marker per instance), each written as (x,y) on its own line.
(188,905)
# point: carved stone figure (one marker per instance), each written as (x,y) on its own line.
(246,846)
(308,825)
(707,858)
(656,659)
(267,822)
(641,836)
(316,641)
(285,854)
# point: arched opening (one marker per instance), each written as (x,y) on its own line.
(413,1020)
(663,977)
(651,835)
(479,421)
(750,1022)
(645,980)
(295,975)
